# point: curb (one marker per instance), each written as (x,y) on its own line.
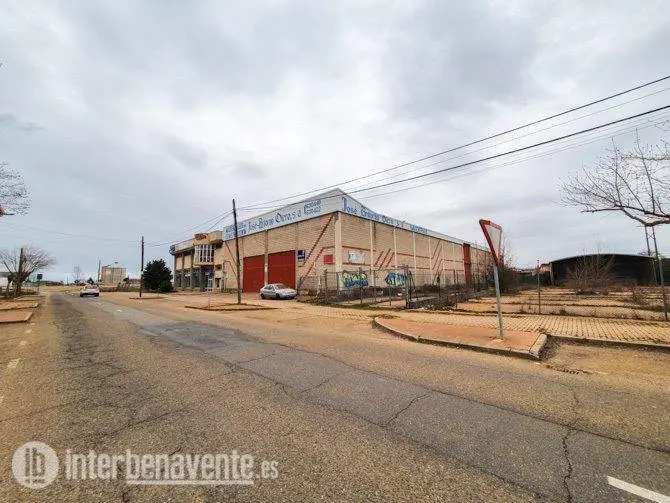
(611,343)
(539,344)
(21,320)
(533,354)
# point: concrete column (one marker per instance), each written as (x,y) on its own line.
(265,258)
(372,253)
(338,242)
(430,260)
(414,252)
(174,271)
(192,267)
(395,251)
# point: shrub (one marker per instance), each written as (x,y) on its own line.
(165,286)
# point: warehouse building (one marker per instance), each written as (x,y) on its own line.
(330,234)
(112,274)
(621,268)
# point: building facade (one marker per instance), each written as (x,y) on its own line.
(112,274)
(328,236)
(621,268)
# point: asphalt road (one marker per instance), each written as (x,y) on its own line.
(346,417)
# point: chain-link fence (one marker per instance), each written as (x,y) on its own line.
(392,287)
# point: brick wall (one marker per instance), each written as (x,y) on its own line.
(317,237)
(425,256)
(389,249)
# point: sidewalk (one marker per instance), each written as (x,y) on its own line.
(515,343)
(647,333)
(15,316)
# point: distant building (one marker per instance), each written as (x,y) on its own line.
(332,233)
(112,274)
(633,269)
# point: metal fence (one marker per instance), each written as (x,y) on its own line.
(393,287)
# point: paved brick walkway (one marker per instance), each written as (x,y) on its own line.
(580,327)
(526,344)
(568,326)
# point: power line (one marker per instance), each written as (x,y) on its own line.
(532,133)
(508,153)
(172,238)
(475,142)
(518,161)
(517,150)
(49,231)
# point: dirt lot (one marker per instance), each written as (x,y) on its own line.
(637,304)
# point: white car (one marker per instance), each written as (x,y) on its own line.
(90,290)
(277,291)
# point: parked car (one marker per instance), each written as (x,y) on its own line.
(90,290)
(277,291)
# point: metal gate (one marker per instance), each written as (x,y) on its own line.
(281,268)
(253,273)
(467,264)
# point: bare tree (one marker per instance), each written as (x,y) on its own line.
(592,274)
(14,197)
(21,263)
(635,183)
(508,276)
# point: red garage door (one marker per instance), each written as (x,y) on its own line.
(281,268)
(467,264)
(252,275)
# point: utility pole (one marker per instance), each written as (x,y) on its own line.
(19,279)
(660,274)
(142,267)
(539,295)
(237,254)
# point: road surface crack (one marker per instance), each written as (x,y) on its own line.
(409,404)
(570,430)
(569,469)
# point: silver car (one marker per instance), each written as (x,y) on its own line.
(90,290)
(277,291)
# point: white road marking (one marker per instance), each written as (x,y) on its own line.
(13,363)
(638,491)
(23,343)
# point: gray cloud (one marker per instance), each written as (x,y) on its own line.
(245,169)
(476,55)
(10,120)
(188,156)
(154,115)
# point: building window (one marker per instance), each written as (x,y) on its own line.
(204,254)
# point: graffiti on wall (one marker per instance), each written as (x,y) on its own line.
(356,279)
(395,278)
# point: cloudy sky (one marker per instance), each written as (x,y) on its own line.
(130,117)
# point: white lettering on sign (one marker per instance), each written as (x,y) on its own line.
(329,202)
